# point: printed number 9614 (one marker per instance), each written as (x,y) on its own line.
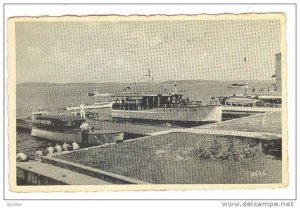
(259,173)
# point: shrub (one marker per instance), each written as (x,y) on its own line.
(227,149)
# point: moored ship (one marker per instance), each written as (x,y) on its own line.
(167,107)
(164,107)
(237,85)
(67,128)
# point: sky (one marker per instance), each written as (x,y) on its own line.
(64,52)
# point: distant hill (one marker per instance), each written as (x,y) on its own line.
(32,84)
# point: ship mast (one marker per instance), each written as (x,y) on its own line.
(149,80)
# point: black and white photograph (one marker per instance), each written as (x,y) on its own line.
(145,101)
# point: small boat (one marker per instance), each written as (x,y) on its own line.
(96,93)
(97,105)
(67,128)
(238,85)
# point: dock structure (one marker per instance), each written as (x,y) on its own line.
(127,127)
(38,173)
(87,166)
(265,126)
(145,129)
(265,123)
(241,109)
(53,171)
(153,159)
(25,124)
(246,134)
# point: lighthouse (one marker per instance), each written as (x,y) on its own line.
(278,85)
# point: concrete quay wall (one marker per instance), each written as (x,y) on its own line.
(103,175)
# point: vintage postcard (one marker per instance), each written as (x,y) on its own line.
(116,103)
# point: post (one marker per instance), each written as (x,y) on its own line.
(147,99)
(263,121)
(158,101)
(260,146)
(153,99)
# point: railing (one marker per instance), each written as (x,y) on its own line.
(183,104)
(137,107)
(127,106)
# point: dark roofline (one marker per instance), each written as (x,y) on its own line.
(145,95)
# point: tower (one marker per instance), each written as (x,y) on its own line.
(278,72)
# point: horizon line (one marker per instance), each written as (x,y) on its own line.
(40,82)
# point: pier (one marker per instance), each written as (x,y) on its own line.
(38,173)
(269,122)
(153,159)
(132,157)
(53,171)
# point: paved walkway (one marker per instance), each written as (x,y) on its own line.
(250,109)
(231,129)
(270,122)
(260,135)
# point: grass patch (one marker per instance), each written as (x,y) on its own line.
(173,159)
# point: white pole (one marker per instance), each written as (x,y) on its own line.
(263,122)
(175,87)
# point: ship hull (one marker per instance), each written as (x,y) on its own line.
(185,114)
(94,138)
(95,106)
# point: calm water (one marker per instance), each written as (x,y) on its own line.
(32,96)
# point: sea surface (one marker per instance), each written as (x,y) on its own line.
(46,96)
(56,97)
